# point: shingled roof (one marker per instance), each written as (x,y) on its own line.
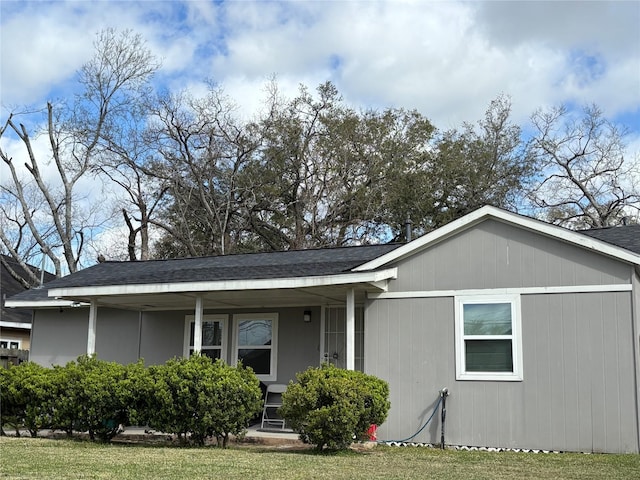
(625,236)
(253,266)
(9,286)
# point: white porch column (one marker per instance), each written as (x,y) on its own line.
(91,334)
(197,328)
(351,329)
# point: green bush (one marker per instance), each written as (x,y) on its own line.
(26,397)
(331,407)
(67,385)
(102,397)
(196,398)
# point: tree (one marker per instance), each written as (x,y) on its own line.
(201,152)
(43,205)
(478,165)
(327,175)
(124,162)
(586,180)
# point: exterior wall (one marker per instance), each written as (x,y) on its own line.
(495,255)
(298,342)
(579,390)
(162,336)
(17,334)
(124,336)
(117,334)
(58,336)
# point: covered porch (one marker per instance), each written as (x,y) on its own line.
(277,326)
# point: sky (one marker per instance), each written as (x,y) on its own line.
(447,59)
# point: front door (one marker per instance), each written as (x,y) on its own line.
(335,338)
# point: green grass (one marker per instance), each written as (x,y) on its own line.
(26,458)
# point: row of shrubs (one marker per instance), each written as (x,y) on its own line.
(194,398)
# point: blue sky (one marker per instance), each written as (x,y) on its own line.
(448,59)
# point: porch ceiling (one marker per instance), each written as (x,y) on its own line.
(267,298)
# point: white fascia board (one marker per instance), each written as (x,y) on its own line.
(621,287)
(227,285)
(23,325)
(51,303)
(528,223)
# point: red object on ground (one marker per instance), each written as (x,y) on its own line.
(372,433)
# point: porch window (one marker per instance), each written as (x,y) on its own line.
(488,338)
(255,343)
(213,336)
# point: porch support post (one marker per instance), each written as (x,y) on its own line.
(197,328)
(91,334)
(351,329)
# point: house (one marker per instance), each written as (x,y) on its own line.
(532,328)
(15,324)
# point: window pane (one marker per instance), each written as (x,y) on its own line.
(211,333)
(259,360)
(213,353)
(488,355)
(254,332)
(192,329)
(487,318)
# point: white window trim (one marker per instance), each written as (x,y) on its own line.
(189,319)
(10,341)
(237,318)
(516,338)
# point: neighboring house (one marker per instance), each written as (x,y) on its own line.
(532,328)
(15,324)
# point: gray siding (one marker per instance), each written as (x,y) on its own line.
(162,336)
(124,336)
(298,342)
(578,388)
(117,334)
(58,336)
(495,255)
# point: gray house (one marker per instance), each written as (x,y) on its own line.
(531,327)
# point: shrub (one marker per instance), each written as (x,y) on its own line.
(196,398)
(26,397)
(102,397)
(331,407)
(67,385)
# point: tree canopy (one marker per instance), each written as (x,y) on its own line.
(185,175)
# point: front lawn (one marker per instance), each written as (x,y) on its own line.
(26,458)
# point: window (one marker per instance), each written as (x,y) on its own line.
(214,335)
(255,343)
(488,338)
(12,344)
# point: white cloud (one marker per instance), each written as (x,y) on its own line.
(448,59)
